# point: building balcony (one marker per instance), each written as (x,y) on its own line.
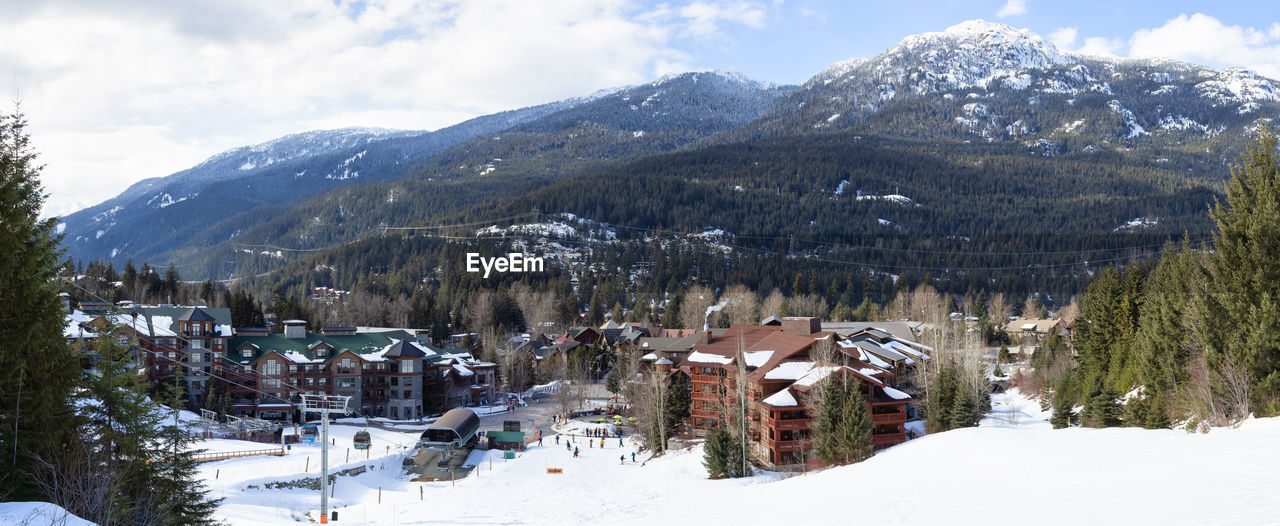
(704,413)
(704,379)
(792,424)
(786,445)
(888,439)
(889,418)
(713,397)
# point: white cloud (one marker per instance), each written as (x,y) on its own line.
(1064,37)
(1065,40)
(118,94)
(703,19)
(1013,8)
(1105,47)
(1203,39)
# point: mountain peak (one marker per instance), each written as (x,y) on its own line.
(982,27)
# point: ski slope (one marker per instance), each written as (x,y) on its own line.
(1013,469)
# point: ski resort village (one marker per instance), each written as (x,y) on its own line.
(558,263)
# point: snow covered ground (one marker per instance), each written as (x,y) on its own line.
(37,514)
(1013,469)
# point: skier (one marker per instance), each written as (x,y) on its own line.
(633,456)
(622,459)
(557,440)
(567,447)
(619,442)
(575,452)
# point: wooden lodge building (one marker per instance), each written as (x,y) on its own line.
(780,372)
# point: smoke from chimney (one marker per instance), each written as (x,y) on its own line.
(706,320)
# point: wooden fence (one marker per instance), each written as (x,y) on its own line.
(210,457)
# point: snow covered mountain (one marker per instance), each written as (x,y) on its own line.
(975,82)
(992,82)
(236,189)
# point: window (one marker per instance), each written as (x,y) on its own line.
(293,381)
(382,367)
(246,353)
(346,382)
(272,368)
(408,382)
(346,363)
(311,381)
(309,368)
(320,352)
(395,380)
(406,366)
(408,394)
(197,357)
(324,381)
(293,368)
(271,382)
(197,344)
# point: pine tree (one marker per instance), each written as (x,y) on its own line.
(716,451)
(842,431)
(678,401)
(828,429)
(964,410)
(145,451)
(1241,313)
(38,371)
(1061,412)
(857,425)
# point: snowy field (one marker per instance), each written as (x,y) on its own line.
(1013,469)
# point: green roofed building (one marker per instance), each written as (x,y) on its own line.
(383,372)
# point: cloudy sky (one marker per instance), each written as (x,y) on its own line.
(116,92)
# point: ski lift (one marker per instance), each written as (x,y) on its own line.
(361,440)
(310,434)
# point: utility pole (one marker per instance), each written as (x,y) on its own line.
(324,404)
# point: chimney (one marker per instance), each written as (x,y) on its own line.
(663,365)
(706,337)
(66,301)
(802,325)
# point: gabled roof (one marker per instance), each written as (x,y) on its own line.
(405,349)
(196,314)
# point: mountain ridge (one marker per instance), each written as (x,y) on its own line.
(975,81)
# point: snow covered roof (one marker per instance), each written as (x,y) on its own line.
(896,394)
(160,326)
(73,330)
(815,375)
(757,358)
(788,371)
(462,370)
(297,357)
(782,398)
(906,349)
(701,357)
(650,356)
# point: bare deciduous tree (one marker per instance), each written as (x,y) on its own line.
(693,311)
(742,307)
(773,305)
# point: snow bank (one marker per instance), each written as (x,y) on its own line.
(38,514)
